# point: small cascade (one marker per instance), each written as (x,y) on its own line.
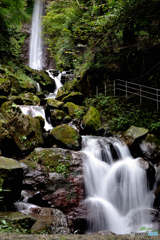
(35,111)
(58,83)
(35,51)
(118,198)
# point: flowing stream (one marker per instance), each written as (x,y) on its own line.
(118,198)
(35,51)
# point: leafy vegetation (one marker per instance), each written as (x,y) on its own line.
(12,15)
(118,114)
(99,36)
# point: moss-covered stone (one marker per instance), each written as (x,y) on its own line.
(18,220)
(57,116)
(26,99)
(71,86)
(66,137)
(54,104)
(5,86)
(92,120)
(50,157)
(133,133)
(61,94)
(3,99)
(71,108)
(25,130)
(21,83)
(75,97)
(11,174)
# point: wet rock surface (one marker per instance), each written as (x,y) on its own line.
(59,182)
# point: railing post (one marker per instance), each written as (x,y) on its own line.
(140,95)
(126,90)
(105,89)
(97,91)
(114,87)
(157,101)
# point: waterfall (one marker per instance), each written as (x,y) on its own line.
(118,198)
(35,111)
(35,51)
(58,83)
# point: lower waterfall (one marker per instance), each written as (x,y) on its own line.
(117,194)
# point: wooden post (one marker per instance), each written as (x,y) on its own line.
(97,91)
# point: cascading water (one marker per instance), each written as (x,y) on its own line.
(35,51)
(118,198)
(35,111)
(58,83)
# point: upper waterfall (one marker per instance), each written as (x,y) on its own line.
(35,51)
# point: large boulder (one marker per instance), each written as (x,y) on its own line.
(73,110)
(92,120)
(60,181)
(54,104)
(57,116)
(26,99)
(132,137)
(150,147)
(75,97)
(5,86)
(66,136)
(21,83)
(25,131)
(133,133)
(61,94)
(50,220)
(17,221)
(11,175)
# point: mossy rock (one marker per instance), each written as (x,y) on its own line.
(71,86)
(75,97)
(67,119)
(61,94)
(10,110)
(5,86)
(21,83)
(92,120)
(26,99)
(11,175)
(71,109)
(17,220)
(133,133)
(3,99)
(25,130)
(50,157)
(57,116)
(66,137)
(54,104)
(4,133)
(41,77)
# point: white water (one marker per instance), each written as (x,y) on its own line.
(35,111)
(118,198)
(58,83)
(35,51)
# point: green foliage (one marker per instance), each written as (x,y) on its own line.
(7,227)
(12,15)
(86,35)
(61,168)
(79,113)
(119,114)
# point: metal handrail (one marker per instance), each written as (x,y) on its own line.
(141,90)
